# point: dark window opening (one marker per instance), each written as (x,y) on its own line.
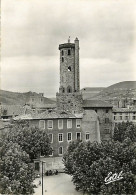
(96,111)
(69,52)
(37,166)
(62,59)
(106,120)
(63,90)
(69,68)
(107,111)
(78,136)
(69,89)
(62,52)
(60,150)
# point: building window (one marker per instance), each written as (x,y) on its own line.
(96,111)
(62,59)
(60,124)
(120,117)
(134,118)
(69,136)
(51,137)
(78,136)
(106,120)
(69,68)
(69,89)
(69,52)
(51,152)
(87,136)
(69,123)
(126,117)
(42,124)
(78,123)
(60,151)
(114,117)
(63,90)
(107,131)
(62,52)
(50,124)
(60,137)
(107,110)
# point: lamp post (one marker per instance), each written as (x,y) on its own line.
(42,175)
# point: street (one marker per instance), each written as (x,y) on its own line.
(56,185)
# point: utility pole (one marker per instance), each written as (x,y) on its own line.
(42,176)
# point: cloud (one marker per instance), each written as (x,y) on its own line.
(32,31)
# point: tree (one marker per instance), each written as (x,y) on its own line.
(32,140)
(16,171)
(91,162)
(125,130)
(68,156)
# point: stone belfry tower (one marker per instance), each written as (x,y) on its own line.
(69,97)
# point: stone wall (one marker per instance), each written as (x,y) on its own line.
(105,121)
(90,123)
(70,102)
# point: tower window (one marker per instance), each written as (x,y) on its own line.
(69,89)
(62,59)
(69,52)
(63,90)
(62,52)
(69,68)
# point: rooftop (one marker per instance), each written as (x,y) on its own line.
(124,109)
(96,104)
(49,114)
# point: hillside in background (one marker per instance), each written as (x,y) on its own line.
(126,89)
(90,92)
(14,98)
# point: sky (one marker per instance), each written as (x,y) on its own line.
(31,31)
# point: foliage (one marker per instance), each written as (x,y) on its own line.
(32,140)
(16,171)
(90,163)
(125,130)
(67,157)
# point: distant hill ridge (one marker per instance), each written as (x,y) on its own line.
(119,90)
(125,89)
(122,85)
(16,98)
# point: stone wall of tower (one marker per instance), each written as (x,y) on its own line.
(67,72)
(70,102)
(69,97)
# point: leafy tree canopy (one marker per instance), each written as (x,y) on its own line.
(32,140)
(89,164)
(16,175)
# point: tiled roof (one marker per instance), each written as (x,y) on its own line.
(46,106)
(96,104)
(11,110)
(53,114)
(124,109)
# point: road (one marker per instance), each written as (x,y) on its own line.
(56,185)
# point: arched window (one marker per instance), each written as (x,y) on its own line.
(63,90)
(69,89)
(69,68)
(62,52)
(69,52)
(62,59)
(60,150)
